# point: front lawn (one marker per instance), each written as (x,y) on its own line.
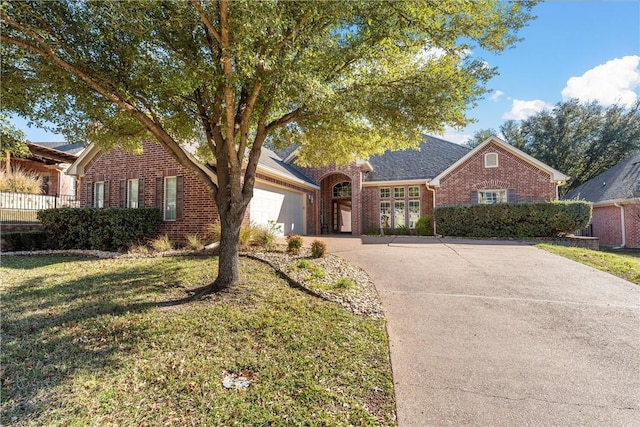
(107,342)
(624,266)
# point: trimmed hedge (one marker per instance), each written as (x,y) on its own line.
(30,240)
(547,219)
(107,229)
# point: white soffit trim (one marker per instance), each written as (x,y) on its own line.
(556,176)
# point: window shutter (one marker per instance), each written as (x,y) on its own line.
(512,197)
(90,194)
(141,193)
(123,193)
(474,197)
(159,192)
(179,197)
(107,194)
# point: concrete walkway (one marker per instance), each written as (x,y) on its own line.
(502,334)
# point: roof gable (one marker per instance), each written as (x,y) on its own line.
(556,176)
(619,182)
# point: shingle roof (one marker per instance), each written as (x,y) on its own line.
(433,156)
(62,146)
(621,181)
(269,159)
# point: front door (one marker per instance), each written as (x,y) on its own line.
(341,216)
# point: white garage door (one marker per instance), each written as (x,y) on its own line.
(280,206)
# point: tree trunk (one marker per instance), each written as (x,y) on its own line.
(228,251)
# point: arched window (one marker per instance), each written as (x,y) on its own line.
(342,189)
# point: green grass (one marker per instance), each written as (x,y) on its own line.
(624,266)
(107,342)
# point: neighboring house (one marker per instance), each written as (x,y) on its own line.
(50,161)
(615,195)
(388,191)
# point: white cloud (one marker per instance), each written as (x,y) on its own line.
(452,135)
(496,95)
(613,82)
(521,110)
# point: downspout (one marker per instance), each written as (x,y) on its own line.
(433,191)
(622,225)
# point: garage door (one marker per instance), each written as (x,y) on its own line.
(277,205)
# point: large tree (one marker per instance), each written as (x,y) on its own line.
(581,140)
(341,79)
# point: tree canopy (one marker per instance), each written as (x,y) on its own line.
(341,79)
(581,140)
(13,142)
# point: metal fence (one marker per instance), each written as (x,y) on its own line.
(22,208)
(585,232)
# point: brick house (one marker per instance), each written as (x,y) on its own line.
(615,195)
(50,161)
(389,190)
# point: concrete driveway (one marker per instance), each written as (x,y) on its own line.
(503,334)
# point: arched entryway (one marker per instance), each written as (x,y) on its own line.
(341,207)
(336,206)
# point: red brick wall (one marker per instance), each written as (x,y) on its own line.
(632,224)
(530,183)
(199,206)
(607,226)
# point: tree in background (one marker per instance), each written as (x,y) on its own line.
(581,140)
(13,142)
(341,79)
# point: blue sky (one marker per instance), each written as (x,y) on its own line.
(596,44)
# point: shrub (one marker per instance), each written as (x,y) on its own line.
(194,243)
(162,244)
(102,229)
(546,219)
(423,226)
(246,235)
(265,236)
(401,231)
(25,240)
(318,249)
(303,263)
(294,243)
(344,283)
(20,181)
(372,230)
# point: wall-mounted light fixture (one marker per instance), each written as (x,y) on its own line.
(310,197)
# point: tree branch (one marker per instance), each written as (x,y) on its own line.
(206,21)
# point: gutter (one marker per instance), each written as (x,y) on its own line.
(622,225)
(433,191)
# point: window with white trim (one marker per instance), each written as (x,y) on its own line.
(491,160)
(385,214)
(414,192)
(490,197)
(385,193)
(414,212)
(132,193)
(98,194)
(170,198)
(398,214)
(342,189)
(398,192)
